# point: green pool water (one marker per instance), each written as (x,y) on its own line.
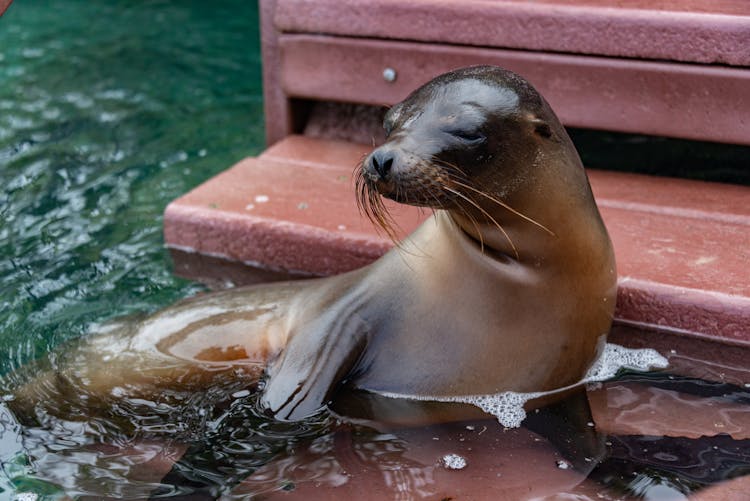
(109,110)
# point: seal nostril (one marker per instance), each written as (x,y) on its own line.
(386,166)
(382,163)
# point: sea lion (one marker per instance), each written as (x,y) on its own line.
(510,286)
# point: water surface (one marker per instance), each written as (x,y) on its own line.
(109,110)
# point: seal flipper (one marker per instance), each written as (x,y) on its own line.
(318,357)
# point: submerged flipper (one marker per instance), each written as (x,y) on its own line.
(318,357)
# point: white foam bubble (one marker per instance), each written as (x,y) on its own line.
(507,406)
(615,357)
(454,462)
(26,496)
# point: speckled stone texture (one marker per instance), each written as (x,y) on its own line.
(646,97)
(678,68)
(4,4)
(681,246)
(701,31)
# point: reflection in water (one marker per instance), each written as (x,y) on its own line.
(230,448)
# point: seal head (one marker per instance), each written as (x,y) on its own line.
(473,118)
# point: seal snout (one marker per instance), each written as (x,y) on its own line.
(379,164)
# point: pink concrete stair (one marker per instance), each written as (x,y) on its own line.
(677,68)
(682,246)
(700,31)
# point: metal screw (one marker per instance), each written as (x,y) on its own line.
(389,75)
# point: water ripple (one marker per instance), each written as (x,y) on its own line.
(102,124)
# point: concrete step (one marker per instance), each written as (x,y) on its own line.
(696,31)
(682,246)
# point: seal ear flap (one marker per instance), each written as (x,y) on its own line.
(541,128)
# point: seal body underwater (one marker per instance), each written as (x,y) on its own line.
(509,286)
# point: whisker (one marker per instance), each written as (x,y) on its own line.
(371,206)
(472,202)
(474,223)
(448,164)
(505,206)
(464,182)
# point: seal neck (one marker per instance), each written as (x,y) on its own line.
(553,213)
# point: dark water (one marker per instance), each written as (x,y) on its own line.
(109,110)
(233,450)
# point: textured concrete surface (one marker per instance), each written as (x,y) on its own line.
(668,67)
(700,31)
(275,103)
(4,5)
(681,246)
(645,97)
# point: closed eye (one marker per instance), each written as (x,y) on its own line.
(467,136)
